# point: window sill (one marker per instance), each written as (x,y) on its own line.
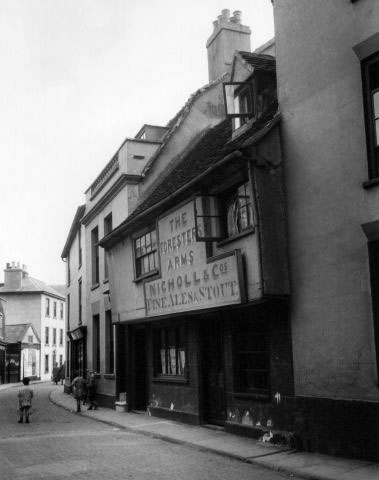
(146,275)
(246,232)
(109,376)
(95,286)
(253,396)
(171,379)
(371,183)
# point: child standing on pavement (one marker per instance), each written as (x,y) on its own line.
(25,395)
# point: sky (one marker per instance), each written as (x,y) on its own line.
(77,78)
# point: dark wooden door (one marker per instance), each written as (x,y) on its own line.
(140,383)
(213,372)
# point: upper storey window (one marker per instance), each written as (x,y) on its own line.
(370,80)
(239,102)
(225,215)
(95,255)
(146,254)
(237,210)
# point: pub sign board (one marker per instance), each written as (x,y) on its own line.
(189,281)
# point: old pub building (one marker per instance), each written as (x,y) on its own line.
(199,283)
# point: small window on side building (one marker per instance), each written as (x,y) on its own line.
(370,81)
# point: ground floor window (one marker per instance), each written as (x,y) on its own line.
(109,339)
(96,342)
(169,351)
(251,373)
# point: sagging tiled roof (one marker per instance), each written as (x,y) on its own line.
(32,285)
(259,61)
(178,119)
(210,149)
(16,333)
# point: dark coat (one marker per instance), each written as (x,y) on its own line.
(79,387)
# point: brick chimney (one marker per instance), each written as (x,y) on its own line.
(228,36)
(13,275)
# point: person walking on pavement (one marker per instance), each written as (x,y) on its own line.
(79,388)
(25,395)
(91,391)
(56,374)
(62,372)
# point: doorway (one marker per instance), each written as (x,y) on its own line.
(212,367)
(140,369)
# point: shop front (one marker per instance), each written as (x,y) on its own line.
(204,353)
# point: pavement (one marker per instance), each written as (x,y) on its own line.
(311,466)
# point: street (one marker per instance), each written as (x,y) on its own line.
(58,444)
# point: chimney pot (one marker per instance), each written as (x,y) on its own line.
(237,16)
(225,14)
(8,265)
(13,264)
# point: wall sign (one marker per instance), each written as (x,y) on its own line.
(188,280)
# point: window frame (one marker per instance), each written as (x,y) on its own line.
(110,343)
(239,390)
(54,336)
(178,330)
(80,251)
(224,199)
(95,267)
(68,311)
(47,336)
(108,226)
(242,89)
(61,336)
(96,343)
(372,138)
(137,274)
(47,307)
(80,301)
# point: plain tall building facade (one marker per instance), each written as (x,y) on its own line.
(328,81)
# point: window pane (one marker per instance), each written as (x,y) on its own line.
(138,267)
(145,264)
(143,245)
(138,247)
(154,239)
(377,131)
(151,262)
(232,217)
(148,242)
(375,99)
(169,357)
